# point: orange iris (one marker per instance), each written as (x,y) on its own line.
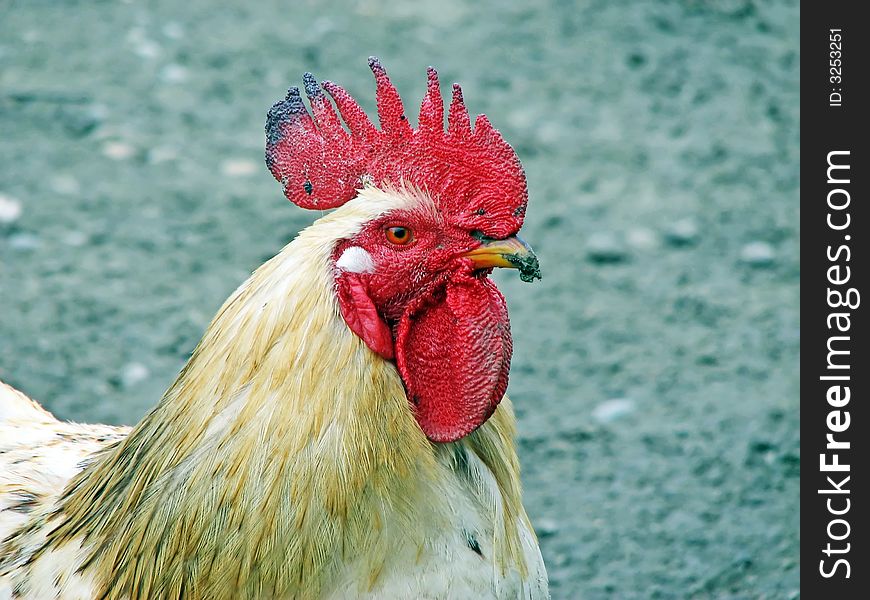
(399,235)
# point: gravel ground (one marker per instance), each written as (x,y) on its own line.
(656,364)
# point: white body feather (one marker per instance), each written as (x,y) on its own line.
(39,455)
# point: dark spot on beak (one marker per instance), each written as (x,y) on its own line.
(528,266)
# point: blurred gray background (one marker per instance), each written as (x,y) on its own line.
(656,365)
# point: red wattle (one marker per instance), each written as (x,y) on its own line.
(454,357)
(362,317)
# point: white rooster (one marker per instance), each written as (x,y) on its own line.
(341,430)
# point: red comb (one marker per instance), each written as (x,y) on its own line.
(473,176)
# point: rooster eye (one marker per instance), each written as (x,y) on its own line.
(399,235)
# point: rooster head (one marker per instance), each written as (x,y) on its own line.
(413,282)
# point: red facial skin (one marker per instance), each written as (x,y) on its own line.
(443,322)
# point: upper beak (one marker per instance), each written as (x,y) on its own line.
(511,253)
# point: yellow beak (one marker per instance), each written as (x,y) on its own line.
(510,253)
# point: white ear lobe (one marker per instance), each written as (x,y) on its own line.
(355,260)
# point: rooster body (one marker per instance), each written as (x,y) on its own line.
(341,429)
(341,499)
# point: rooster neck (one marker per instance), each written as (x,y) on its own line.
(280,450)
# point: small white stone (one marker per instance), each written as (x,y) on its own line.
(10,209)
(758,254)
(611,410)
(174,73)
(133,373)
(550,133)
(118,150)
(641,238)
(605,247)
(239,168)
(546,527)
(147,49)
(682,232)
(142,44)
